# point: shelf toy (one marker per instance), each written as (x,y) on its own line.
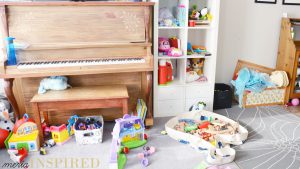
(201,17)
(18,156)
(197,65)
(53,83)
(59,134)
(167,19)
(163,45)
(181,15)
(128,133)
(25,135)
(165,71)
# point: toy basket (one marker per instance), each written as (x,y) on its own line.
(270,96)
(89,136)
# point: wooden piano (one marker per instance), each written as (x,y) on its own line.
(93,43)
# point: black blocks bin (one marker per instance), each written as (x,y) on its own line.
(223,96)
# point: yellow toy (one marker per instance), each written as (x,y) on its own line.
(59,134)
(25,135)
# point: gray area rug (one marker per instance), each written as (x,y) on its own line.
(273,141)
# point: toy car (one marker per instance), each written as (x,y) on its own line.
(49,143)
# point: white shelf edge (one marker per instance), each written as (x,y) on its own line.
(172,27)
(206,27)
(184,57)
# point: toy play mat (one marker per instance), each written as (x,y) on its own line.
(207,131)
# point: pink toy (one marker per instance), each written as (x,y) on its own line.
(175,52)
(164,44)
(295,102)
(143,156)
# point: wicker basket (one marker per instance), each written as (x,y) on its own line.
(270,96)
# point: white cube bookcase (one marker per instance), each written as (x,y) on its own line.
(179,96)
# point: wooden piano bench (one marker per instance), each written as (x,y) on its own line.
(78,98)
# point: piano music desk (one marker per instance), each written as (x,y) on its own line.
(78,98)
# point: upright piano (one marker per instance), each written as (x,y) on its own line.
(93,43)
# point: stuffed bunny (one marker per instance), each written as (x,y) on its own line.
(53,83)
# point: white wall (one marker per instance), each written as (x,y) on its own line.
(249,31)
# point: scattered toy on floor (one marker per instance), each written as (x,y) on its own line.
(71,122)
(127,132)
(3,135)
(59,134)
(49,143)
(43,151)
(25,135)
(144,156)
(164,132)
(198,106)
(18,156)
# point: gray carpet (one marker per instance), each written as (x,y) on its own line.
(170,153)
(274,137)
(273,141)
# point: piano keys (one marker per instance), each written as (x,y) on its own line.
(54,64)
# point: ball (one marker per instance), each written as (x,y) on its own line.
(3,135)
(295,102)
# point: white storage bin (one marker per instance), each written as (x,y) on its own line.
(93,136)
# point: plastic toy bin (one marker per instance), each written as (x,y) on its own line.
(93,136)
(222,96)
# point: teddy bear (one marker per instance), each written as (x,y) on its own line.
(197,65)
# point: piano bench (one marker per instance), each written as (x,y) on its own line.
(78,98)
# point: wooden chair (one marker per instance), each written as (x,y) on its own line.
(78,98)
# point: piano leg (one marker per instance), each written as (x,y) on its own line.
(147,93)
(8,88)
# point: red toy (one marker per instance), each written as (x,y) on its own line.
(204,125)
(165,70)
(18,155)
(125,150)
(3,135)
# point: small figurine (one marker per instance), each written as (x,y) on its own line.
(175,52)
(143,156)
(164,44)
(198,65)
(43,151)
(49,143)
(71,122)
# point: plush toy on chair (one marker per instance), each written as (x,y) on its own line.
(53,83)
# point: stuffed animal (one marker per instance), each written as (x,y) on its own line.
(164,44)
(53,83)
(5,122)
(198,65)
(191,76)
(198,106)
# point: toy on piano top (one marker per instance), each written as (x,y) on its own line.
(53,83)
(128,133)
(25,135)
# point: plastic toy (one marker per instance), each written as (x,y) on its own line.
(164,44)
(19,155)
(163,132)
(43,151)
(165,70)
(3,135)
(198,106)
(205,130)
(198,65)
(127,132)
(25,135)
(5,122)
(175,52)
(49,143)
(144,156)
(59,134)
(181,15)
(11,53)
(53,83)
(295,102)
(71,122)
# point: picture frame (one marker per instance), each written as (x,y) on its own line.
(291,2)
(266,1)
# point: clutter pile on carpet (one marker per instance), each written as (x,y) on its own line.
(254,81)
(208,131)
